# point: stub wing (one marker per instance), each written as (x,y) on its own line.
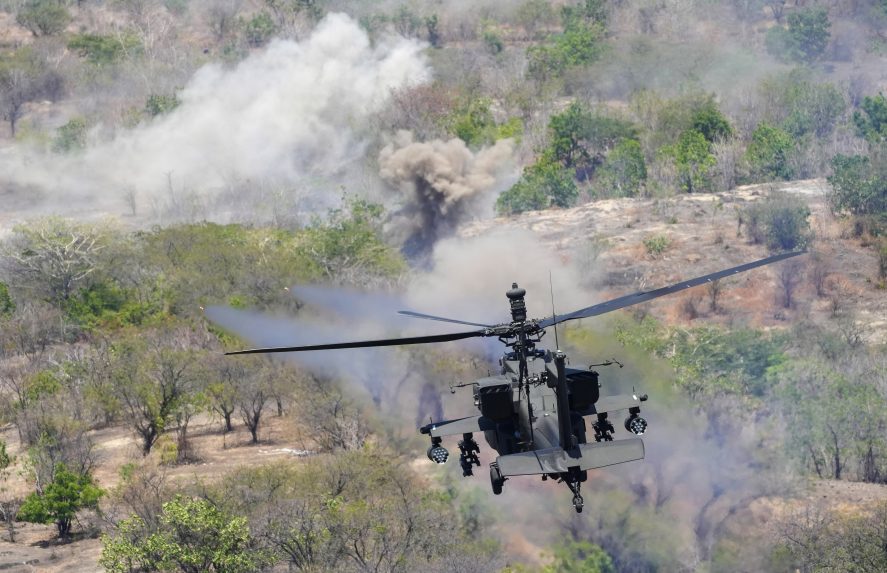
(585,457)
(459,426)
(616,403)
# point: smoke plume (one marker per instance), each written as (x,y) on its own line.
(442,183)
(294,112)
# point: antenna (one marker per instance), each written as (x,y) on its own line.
(553,315)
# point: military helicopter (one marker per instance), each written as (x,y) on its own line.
(533,412)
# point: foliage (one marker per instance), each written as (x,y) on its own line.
(579,557)
(833,419)
(53,257)
(694,161)
(474,124)
(707,119)
(768,153)
(259,29)
(710,360)
(7,305)
(44,17)
(580,139)
(780,221)
(347,247)
(493,40)
(581,43)
(25,77)
(656,245)
(859,184)
(871,119)
(194,535)
(61,500)
(71,136)
(105,304)
(799,104)
(160,104)
(102,50)
(804,40)
(544,184)
(624,171)
(827,540)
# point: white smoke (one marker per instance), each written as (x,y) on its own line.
(294,111)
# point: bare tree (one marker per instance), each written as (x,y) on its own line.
(714,290)
(790,275)
(53,256)
(819,273)
(222,15)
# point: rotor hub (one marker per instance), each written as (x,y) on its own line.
(518,306)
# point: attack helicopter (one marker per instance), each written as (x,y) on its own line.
(532,413)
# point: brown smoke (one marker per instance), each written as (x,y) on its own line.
(443,183)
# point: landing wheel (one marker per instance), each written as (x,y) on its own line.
(578,503)
(496,479)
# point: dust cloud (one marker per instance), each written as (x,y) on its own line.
(296,112)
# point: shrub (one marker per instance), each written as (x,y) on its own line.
(656,245)
(798,104)
(71,136)
(7,305)
(780,221)
(768,153)
(624,171)
(61,500)
(259,29)
(871,120)
(103,50)
(693,160)
(44,17)
(159,104)
(859,184)
(542,185)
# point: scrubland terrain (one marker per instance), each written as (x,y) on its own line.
(182,178)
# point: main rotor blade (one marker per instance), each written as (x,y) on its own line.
(639,297)
(367,343)
(440,318)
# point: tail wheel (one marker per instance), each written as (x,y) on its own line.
(496,479)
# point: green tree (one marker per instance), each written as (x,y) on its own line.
(800,104)
(579,557)
(624,171)
(768,153)
(71,136)
(708,120)
(580,139)
(347,246)
(103,50)
(805,39)
(871,119)
(259,29)
(194,536)
(859,184)
(581,43)
(544,184)
(60,500)
(160,104)
(7,305)
(44,17)
(694,161)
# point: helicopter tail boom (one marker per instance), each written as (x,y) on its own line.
(558,460)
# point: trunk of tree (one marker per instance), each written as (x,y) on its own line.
(228,426)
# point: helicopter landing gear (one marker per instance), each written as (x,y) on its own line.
(468,456)
(603,429)
(496,478)
(578,502)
